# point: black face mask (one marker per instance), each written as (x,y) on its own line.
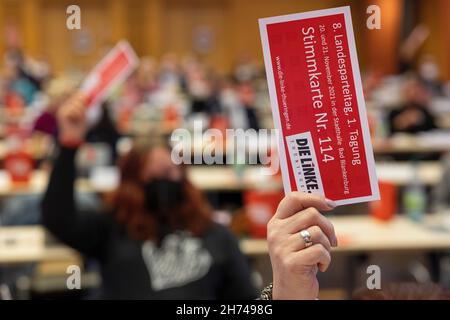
(162,195)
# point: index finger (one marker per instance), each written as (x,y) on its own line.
(298,201)
(79,96)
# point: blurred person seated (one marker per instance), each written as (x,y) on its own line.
(169,71)
(156,239)
(429,75)
(21,84)
(199,87)
(413,116)
(246,93)
(238,102)
(143,82)
(441,191)
(105,131)
(56,90)
(246,68)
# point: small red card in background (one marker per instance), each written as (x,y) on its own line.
(19,165)
(386,208)
(318,105)
(112,70)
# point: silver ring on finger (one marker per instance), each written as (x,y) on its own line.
(306,236)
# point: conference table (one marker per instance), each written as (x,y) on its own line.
(356,234)
(362,234)
(41,146)
(359,237)
(224,178)
(424,143)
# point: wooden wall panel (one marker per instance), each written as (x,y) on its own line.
(72,49)
(155,27)
(244,21)
(436,15)
(188,22)
(380,46)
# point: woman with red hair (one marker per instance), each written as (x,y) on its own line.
(156,239)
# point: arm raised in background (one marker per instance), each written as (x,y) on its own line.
(82,231)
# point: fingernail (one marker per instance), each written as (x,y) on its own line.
(335,242)
(330,203)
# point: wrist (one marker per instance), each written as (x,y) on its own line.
(293,291)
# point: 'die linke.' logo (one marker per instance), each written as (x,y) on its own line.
(307,165)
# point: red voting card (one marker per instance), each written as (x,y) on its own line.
(113,69)
(318,105)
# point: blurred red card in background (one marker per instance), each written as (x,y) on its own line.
(19,165)
(112,70)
